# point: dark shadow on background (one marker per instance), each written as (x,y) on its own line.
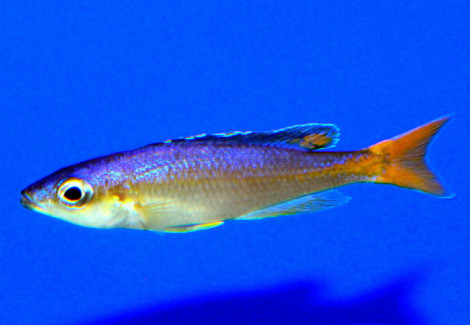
(295,303)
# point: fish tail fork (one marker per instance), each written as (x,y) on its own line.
(405,163)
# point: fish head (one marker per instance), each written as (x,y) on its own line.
(72,195)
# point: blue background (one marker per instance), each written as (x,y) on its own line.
(79,79)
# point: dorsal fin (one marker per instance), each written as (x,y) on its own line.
(306,137)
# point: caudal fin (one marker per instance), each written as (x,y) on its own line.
(406,165)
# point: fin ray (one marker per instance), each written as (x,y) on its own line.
(156,213)
(305,137)
(315,202)
(407,159)
(196,227)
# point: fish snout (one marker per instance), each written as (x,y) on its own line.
(26,200)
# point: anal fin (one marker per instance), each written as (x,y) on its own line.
(305,204)
(189,228)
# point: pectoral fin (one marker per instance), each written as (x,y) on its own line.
(189,228)
(158,214)
(305,204)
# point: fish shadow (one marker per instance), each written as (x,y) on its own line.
(292,303)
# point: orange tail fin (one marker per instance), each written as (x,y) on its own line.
(406,159)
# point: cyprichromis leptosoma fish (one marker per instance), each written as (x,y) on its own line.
(201,181)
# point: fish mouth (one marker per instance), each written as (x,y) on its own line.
(27,201)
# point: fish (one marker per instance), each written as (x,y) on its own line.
(201,181)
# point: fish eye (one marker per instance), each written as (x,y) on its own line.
(74,193)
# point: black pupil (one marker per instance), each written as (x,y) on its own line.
(73,194)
